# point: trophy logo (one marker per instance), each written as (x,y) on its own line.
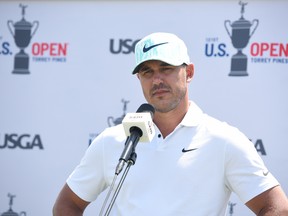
(231,208)
(240,37)
(23,32)
(115,121)
(10,211)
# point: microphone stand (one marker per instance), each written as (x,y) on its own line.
(128,156)
(130,162)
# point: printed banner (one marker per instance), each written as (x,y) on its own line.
(65,75)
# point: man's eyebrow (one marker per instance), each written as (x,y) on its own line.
(143,68)
(146,67)
(165,64)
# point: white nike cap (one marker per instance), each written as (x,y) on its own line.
(161,46)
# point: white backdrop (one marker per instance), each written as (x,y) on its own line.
(80,63)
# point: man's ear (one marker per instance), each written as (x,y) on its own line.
(189,72)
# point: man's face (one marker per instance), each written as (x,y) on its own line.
(163,85)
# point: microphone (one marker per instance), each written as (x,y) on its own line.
(138,127)
(140,121)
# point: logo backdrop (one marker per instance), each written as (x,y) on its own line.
(65,75)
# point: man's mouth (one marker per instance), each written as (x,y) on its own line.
(160,91)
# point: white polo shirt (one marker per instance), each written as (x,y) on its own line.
(191,172)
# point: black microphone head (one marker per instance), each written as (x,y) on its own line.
(146,108)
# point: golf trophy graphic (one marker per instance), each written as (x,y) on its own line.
(240,37)
(115,121)
(10,212)
(22,36)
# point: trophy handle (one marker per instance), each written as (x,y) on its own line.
(36,24)
(257,23)
(23,213)
(225,24)
(9,23)
(109,120)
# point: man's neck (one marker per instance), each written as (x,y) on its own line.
(167,122)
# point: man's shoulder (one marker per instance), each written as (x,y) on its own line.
(220,128)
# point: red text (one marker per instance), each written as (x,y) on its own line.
(270,49)
(51,49)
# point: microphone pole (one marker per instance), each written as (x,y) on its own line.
(140,129)
(129,149)
(128,155)
(130,162)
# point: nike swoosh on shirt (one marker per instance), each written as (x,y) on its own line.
(187,150)
(146,49)
(265,173)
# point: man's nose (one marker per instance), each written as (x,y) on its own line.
(157,78)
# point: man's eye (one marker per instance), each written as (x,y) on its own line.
(167,69)
(146,73)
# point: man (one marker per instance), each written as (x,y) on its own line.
(190,167)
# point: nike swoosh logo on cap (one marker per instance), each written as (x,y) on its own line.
(187,150)
(146,49)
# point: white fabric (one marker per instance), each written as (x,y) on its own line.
(161,46)
(166,181)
